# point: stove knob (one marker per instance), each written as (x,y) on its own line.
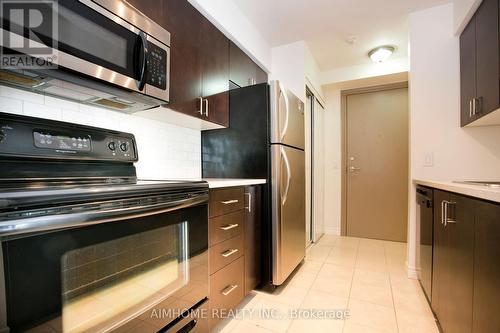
(112,146)
(2,135)
(124,146)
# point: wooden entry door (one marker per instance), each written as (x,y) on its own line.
(377,164)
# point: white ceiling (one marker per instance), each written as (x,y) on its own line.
(326,25)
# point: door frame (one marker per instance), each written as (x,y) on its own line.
(343,142)
(315,97)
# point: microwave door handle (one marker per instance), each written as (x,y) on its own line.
(144,66)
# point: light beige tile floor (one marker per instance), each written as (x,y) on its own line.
(365,277)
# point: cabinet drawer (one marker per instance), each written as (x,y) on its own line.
(224,253)
(225,200)
(226,286)
(224,227)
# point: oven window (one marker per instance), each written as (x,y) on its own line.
(101,277)
(109,283)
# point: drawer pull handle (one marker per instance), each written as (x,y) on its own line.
(229,227)
(229,253)
(229,289)
(228,202)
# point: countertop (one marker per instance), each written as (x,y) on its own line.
(477,191)
(230,182)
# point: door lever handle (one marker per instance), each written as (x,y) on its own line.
(354,169)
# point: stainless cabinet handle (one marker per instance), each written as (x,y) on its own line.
(206,107)
(449,220)
(249,207)
(478,105)
(229,227)
(229,253)
(474,106)
(229,289)
(200,111)
(445,219)
(228,202)
(470,108)
(442,211)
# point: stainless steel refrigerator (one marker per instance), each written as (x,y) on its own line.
(287,182)
(265,139)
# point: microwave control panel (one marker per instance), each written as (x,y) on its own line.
(157,66)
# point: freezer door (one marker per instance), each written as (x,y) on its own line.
(287,117)
(288,210)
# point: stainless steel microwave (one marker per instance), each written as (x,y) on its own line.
(107,53)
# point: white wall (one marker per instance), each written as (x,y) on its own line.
(288,66)
(332,160)
(226,16)
(462,13)
(459,153)
(165,151)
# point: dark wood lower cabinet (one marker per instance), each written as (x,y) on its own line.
(466,264)
(461,264)
(234,238)
(486,268)
(253,229)
(453,263)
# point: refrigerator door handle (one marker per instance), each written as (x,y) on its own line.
(287,111)
(288,176)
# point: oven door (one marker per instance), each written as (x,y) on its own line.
(130,275)
(99,41)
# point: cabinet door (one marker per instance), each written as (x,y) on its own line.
(242,70)
(215,73)
(487,57)
(440,259)
(184,23)
(487,268)
(467,72)
(253,229)
(460,233)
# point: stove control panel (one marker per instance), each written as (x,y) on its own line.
(22,136)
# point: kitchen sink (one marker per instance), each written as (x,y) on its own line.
(495,184)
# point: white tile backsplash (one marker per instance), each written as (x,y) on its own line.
(165,151)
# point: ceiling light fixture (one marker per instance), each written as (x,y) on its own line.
(381,53)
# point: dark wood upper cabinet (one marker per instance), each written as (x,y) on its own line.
(184,23)
(453,262)
(215,73)
(199,60)
(467,71)
(487,57)
(487,268)
(479,63)
(243,71)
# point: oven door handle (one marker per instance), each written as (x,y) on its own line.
(72,220)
